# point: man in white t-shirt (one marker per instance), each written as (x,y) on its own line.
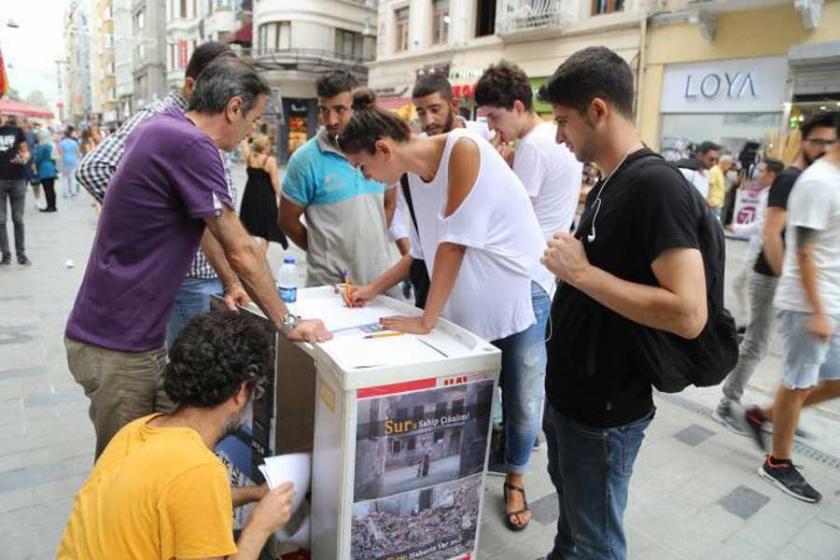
(808,300)
(696,170)
(549,171)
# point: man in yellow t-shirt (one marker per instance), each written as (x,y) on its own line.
(717,183)
(158,491)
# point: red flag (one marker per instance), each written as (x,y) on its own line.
(4,78)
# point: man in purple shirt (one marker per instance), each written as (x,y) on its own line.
(168,187)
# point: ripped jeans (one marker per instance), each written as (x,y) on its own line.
(523,384)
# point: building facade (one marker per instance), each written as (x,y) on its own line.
(124,41)
(461,38)
(294,42)
(149,67)
(737,71)
(76,68)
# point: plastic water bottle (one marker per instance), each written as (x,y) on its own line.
(287,280)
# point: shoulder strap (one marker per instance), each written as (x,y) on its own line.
(407,194)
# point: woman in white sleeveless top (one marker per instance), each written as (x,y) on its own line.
(481,242)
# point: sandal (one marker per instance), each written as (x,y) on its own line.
(509,514)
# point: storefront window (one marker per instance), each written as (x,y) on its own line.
(731,130)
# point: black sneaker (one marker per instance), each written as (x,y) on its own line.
(755,421)
(789,480)
(6,260)
(23,260)
(725,414)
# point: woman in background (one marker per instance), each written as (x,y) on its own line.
(258,211)
(45,164)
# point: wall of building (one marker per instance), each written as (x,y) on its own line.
(149,69)
(538,51)
(781,28)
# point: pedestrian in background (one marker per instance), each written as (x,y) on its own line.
(808,301)
(45,164)
(696,169)
(14,157)
(258,210)
(817,132)
(717,183)
(765,174)
(69,148)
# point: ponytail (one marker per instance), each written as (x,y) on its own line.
(370,124)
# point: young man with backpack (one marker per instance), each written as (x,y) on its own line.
(635,306)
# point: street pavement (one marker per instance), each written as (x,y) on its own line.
(695,491)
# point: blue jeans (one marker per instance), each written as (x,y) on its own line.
(590,469)
(193,299)
(522,382)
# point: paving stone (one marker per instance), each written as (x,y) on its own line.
(546,510)
(694,435)
(32,476)
(743,502)
(23,372)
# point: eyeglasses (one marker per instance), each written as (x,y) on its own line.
(258,387)
(822,143)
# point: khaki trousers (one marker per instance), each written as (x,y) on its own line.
(121,386)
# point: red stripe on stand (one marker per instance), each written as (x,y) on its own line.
(396,388)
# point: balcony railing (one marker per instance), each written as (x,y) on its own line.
(524,15)
(309,55)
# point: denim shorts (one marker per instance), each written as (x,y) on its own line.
(807,361)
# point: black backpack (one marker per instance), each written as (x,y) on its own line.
(675,362)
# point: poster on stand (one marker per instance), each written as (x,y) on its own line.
(420,457)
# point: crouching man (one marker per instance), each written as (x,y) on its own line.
(158,491)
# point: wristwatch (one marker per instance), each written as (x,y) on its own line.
(290,323)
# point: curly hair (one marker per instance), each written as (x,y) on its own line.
(214,354)
(502,84)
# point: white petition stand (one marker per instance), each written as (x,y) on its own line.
(400,433)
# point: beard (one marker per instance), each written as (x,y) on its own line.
(447,126)
(233,423)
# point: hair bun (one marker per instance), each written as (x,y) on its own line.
(363,98)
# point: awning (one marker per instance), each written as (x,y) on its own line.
(10,107)
(244,35)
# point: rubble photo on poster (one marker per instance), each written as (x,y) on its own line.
(415,440)
(419,467)
(437,523)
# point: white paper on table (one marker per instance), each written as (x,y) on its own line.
(360,352)
(337,316)
(293,467)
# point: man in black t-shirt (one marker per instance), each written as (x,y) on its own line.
(633,264)
(14,156)
(816,132)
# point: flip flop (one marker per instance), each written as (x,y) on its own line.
(509,514)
